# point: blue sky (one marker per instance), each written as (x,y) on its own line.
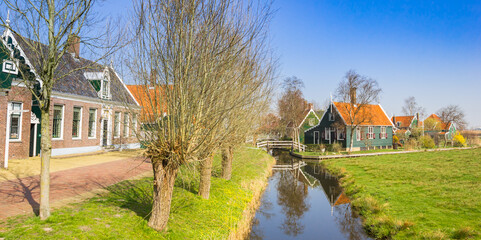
(427,49)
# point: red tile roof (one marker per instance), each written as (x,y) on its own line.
(405,121)
(369,115)
(444,126)
(150,100)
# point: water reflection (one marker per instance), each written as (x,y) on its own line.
(304,201)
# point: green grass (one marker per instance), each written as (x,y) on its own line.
(123,212)
(426,195)
(345,152)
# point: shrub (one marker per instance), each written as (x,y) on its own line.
(459,140)
(395,139)
(411,144)
(336,147)
(426,142)
(473,141)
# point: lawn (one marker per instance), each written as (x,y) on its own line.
(345,152)
(425,195)
(123,212)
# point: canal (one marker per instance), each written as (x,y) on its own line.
(304,201)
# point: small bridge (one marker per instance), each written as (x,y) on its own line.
(282,144)
(292,166)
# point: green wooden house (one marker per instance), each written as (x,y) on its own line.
(310,120)
(374,128)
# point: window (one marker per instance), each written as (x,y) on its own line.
(134,122)
(92,122)
(76,122)
(312,122)
(358,134)
(398,124)
(383,133)
(331,116)
(328,133)
(117,124)
(340,134)
(57,121)
(126,124)
(370,134)
(15,120)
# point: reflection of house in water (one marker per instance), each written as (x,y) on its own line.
(315,175)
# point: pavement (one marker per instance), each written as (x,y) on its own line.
(21,195)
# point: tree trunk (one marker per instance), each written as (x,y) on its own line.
(164,179)
(227,157)
(352,140)
(205,175)
(46,151)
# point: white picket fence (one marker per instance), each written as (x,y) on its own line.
(282,144)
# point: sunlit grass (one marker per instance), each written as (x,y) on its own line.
(417,195)
(123,212)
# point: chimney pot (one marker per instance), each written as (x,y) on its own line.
(74,45)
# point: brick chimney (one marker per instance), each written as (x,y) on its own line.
(352,95)
(311,106)
(74,45)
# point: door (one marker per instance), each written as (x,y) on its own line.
(105,131)
(32,149)
(316,137)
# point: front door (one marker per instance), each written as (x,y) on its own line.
(32,140)
(105,131)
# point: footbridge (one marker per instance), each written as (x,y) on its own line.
(281,144)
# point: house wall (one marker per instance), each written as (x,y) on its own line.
(67,141)
(123,141)
(17,148)
(311,118)
(376,142)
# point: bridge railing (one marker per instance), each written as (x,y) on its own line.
(280,144)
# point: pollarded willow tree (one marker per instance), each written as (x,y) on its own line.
(198,62)
(46,31)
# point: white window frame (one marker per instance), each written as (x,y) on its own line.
(383,133)
(94,128)
(126,126)
(327,132)
(134,122)
(339,134)
(61,122)
(10,108)
(331,117)
(80,123)
(370,132)
(117,131)
(358,133)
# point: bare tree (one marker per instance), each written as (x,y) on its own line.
(47,30)
(411,107)
(200,53)
(452,113)
(291,104)
(357,92)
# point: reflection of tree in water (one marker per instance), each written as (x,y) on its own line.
(264,210)
(291,196)
(349,224)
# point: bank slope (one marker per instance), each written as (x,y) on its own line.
(427,195)
(123,212)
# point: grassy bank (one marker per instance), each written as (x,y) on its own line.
(122,213)
(425,195)
(318,153)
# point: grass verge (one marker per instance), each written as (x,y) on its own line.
(123,212)
(424,195)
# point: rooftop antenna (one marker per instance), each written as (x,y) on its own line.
(8,18)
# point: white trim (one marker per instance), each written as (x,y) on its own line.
(8,33)
(318,137)
(95,124)
(126,116)
(370,132)
(93,75)
(13,63)
(385,114)
(20,119)
(358,134)
(74,150)
(383,135)
(308,115)
(80,121)
(61,123)
(72,97)
(115,127)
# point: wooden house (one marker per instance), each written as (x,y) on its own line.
(373,128)
(311,119)
(445,129)
(405,124)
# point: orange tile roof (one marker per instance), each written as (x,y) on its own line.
(150,100)
(405,121)
(444,125)
(368,114)
(343,199)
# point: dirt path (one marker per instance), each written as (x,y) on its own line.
(21,195)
